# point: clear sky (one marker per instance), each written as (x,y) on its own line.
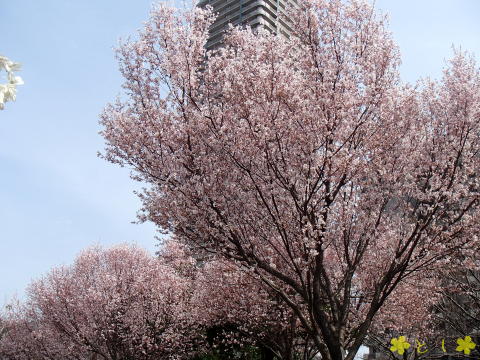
(56,196)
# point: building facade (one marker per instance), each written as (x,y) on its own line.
(254,13)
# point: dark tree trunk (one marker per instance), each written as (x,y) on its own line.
(267,354)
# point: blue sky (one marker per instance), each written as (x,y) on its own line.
(56,196)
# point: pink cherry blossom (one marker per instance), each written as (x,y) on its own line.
(119,303)
(304,160)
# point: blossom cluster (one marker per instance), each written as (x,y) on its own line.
(122,303)
(305,161)
(8,91)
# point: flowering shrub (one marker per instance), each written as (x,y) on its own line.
(119,303)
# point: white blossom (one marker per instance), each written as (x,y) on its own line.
(8,91)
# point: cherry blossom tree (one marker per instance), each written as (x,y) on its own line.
(119,303)
(233,309)
(26,338)
(457,313)
(304,159)
(2,326)
(245,312)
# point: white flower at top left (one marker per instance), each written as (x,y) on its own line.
(8,91)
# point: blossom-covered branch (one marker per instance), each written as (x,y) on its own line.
(304,160)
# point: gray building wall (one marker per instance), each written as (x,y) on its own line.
(249,12)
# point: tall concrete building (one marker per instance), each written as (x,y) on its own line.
(248,12)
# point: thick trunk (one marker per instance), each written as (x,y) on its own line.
(288,355)
(335,351)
